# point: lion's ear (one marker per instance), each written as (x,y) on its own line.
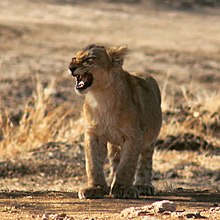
(117,55)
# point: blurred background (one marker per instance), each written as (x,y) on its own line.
(41,131)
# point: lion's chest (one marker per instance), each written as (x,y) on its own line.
(109,126)
(107,118)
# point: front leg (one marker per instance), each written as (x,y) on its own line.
(95,153)
(122,185)
(114,155)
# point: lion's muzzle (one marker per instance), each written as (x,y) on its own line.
(83,81)
(83,78)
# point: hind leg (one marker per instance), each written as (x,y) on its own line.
(143,175)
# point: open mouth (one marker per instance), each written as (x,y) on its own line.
(83,81)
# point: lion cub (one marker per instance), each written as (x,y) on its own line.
(123,119)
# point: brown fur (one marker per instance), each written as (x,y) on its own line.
(123,119)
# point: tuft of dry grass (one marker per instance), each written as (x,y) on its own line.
(40,123)
(197,113)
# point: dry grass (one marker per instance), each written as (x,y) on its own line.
(197,113)
(41,36)
(40,123)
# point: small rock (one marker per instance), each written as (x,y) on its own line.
(214,209)
(164,206)
(194,215)
(45,217)
(156,207)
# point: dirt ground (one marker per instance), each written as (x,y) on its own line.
(178,45)
(45,205)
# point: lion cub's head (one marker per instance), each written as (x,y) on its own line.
(93,66)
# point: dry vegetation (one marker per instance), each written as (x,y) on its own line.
(41,122)
(41,141)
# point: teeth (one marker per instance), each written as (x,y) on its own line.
(80,84)
(69,72)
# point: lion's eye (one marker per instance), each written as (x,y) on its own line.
(87,61)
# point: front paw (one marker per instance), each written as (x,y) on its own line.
(91,193)
(145,189)
(124,192)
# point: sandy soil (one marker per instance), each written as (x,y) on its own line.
(36,205)
(40,37)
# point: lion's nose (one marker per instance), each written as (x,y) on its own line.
(72,69)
